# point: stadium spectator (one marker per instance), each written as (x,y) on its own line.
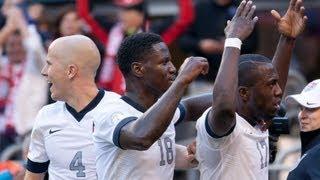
(61,139)
(21,67)
(69,23)
(136,139)
(309,120)
(205,37)
(132,19)
(232,138)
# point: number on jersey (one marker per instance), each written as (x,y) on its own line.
(263,151)
(168,146)
(76,165)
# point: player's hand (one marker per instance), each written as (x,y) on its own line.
(294,21)
(191,68)
(191,148)
(243,22)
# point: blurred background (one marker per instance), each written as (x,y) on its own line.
(188,27)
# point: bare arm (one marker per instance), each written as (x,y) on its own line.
(33,176)
(222,116)
(9,27)
(290,26)
(143,132)
(195,106)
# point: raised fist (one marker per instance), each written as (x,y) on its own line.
(191,68)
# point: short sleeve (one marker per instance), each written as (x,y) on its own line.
(207,136)
(179,114)
(108,126)
(38,160)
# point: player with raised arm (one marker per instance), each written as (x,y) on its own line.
(232,139)
(136,140)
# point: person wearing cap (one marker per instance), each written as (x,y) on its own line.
(309,119)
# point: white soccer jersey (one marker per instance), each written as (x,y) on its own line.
(243,154)
(62,139)
(114,163)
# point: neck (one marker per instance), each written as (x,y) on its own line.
(244,111)
(141,95)
(81,97)
(309,139)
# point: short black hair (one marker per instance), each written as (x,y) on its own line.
(135,48)
(248,66)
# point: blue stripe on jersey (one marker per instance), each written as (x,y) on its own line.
(182,113)
(211,133)
(36,167)
(79,115)
(117,130)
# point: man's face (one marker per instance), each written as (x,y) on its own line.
(70,24)
(132,20)
(309,119)
(159,70)
(55,72)
(15,50)
(266,93)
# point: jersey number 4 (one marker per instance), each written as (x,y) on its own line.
(76,165)
(168,148)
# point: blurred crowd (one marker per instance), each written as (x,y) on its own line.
(27,29)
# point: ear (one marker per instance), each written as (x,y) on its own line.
(137,69)
(244,93)
(72,71)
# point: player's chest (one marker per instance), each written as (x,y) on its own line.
(67,137)
(255,151)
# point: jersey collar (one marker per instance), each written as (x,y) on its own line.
(134,104)
(94,102)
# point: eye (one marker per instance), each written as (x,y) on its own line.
(165,62)
(272,83)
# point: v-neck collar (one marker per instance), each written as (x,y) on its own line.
(94,102)
(134,104)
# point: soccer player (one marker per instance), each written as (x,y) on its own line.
(136,139)
(61,140)
(232,139)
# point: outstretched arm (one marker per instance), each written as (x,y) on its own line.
(96,28)
(186,16)
(222,116)
(143,132)
(195,106)
(290,26)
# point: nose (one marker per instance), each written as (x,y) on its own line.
(172,69)
(278,90)
(44,71)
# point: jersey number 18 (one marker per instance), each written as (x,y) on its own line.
(168,148)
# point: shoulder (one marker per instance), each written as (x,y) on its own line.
(203,117)
(47,112)
(314,154)
(111,97)
(111,102)
(52,108)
